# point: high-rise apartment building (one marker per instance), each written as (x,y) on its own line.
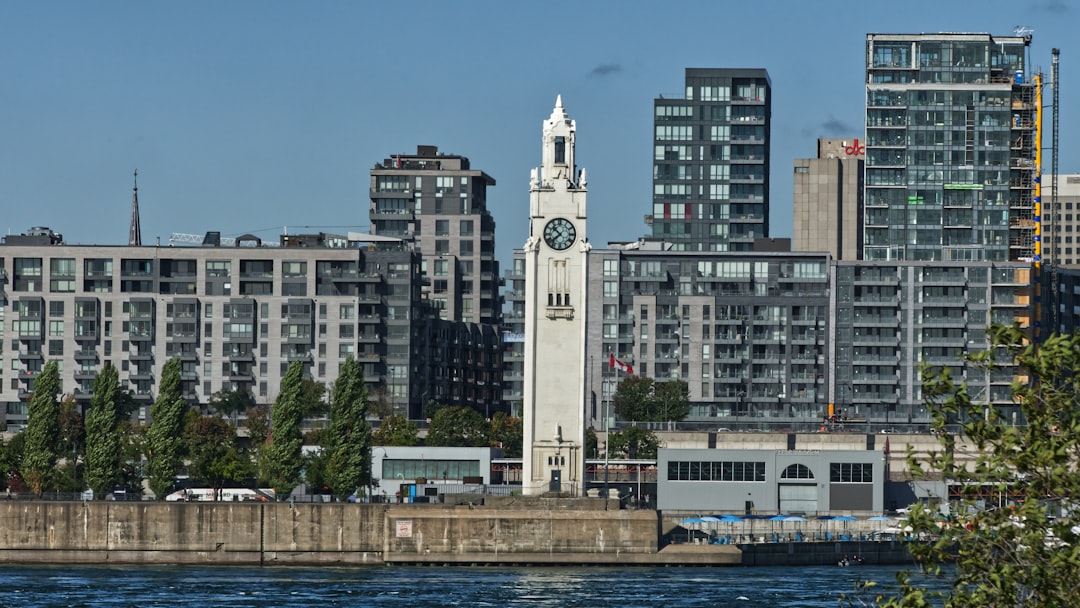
(1061,231)
(711,161)
(950,148)
(828,199)
(440,203)
(236,317)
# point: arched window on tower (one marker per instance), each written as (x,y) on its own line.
(560,150)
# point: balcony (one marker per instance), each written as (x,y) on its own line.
(31,355)
(85,374)
(87,354)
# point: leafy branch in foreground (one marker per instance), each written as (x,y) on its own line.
(1025,553)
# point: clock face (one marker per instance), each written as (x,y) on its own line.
(559,234)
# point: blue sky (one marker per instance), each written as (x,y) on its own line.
(247,116)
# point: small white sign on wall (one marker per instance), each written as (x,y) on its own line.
(404,528)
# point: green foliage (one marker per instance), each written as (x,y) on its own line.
(458,427)
(42,434)
(12,457)
(282,456)
(103,445)
(214,457)
(72,428)
(231,403)
(1020,555)
(633,442)
(642,399)
(380,405)
(507,432)
(396,430)
(592,444)
(165,444)
(257,421)
(348,438)
(312,398)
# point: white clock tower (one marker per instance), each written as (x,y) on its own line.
(555,282)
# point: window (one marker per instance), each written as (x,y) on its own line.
(294,269)
(466,247)
(442,227)
(442,247)
(347,311)
(56,329)
(465,227)
(442,268)
(858,472)
(797,471)
(716,471)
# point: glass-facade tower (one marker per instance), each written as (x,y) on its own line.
(711,161)
(950,148)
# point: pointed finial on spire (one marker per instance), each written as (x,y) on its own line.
(558,114)
(135,231)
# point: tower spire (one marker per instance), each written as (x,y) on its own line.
(135,232)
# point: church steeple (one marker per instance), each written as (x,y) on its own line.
(135,231)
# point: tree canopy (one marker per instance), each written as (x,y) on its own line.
(164,439)
(642,399)
(42,434)
(396,430)
(458,427)
(103,441)
(348,438)
(282,456)
(1027,554)
(633,442)
(507,432)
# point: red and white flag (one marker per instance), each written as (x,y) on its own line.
(619,365)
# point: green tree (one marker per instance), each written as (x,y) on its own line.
(507,432)
(312,399)
(257,421)
(103,449)
(671,400)
(42,434)
(12,462)
(231,402)
(632,396)
(633,442)
(348,440)
(165,439)
(214,457)
(396,430)
(1021,555)
(641,399)
(458,427)
(72,427)
(592,443)
(282,455)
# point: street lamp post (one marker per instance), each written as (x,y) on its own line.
(606,469)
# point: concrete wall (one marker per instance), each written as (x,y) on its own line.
(530,535)
(324,533)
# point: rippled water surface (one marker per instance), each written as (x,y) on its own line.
(150,586)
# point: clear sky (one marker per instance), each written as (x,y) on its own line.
(247,116)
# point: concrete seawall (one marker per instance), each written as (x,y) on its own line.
(510,533)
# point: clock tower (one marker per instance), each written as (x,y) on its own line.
(555,282)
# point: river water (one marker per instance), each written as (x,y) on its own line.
(195,586)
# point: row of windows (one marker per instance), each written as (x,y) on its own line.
(429,469)
(715,471)
(839,472)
